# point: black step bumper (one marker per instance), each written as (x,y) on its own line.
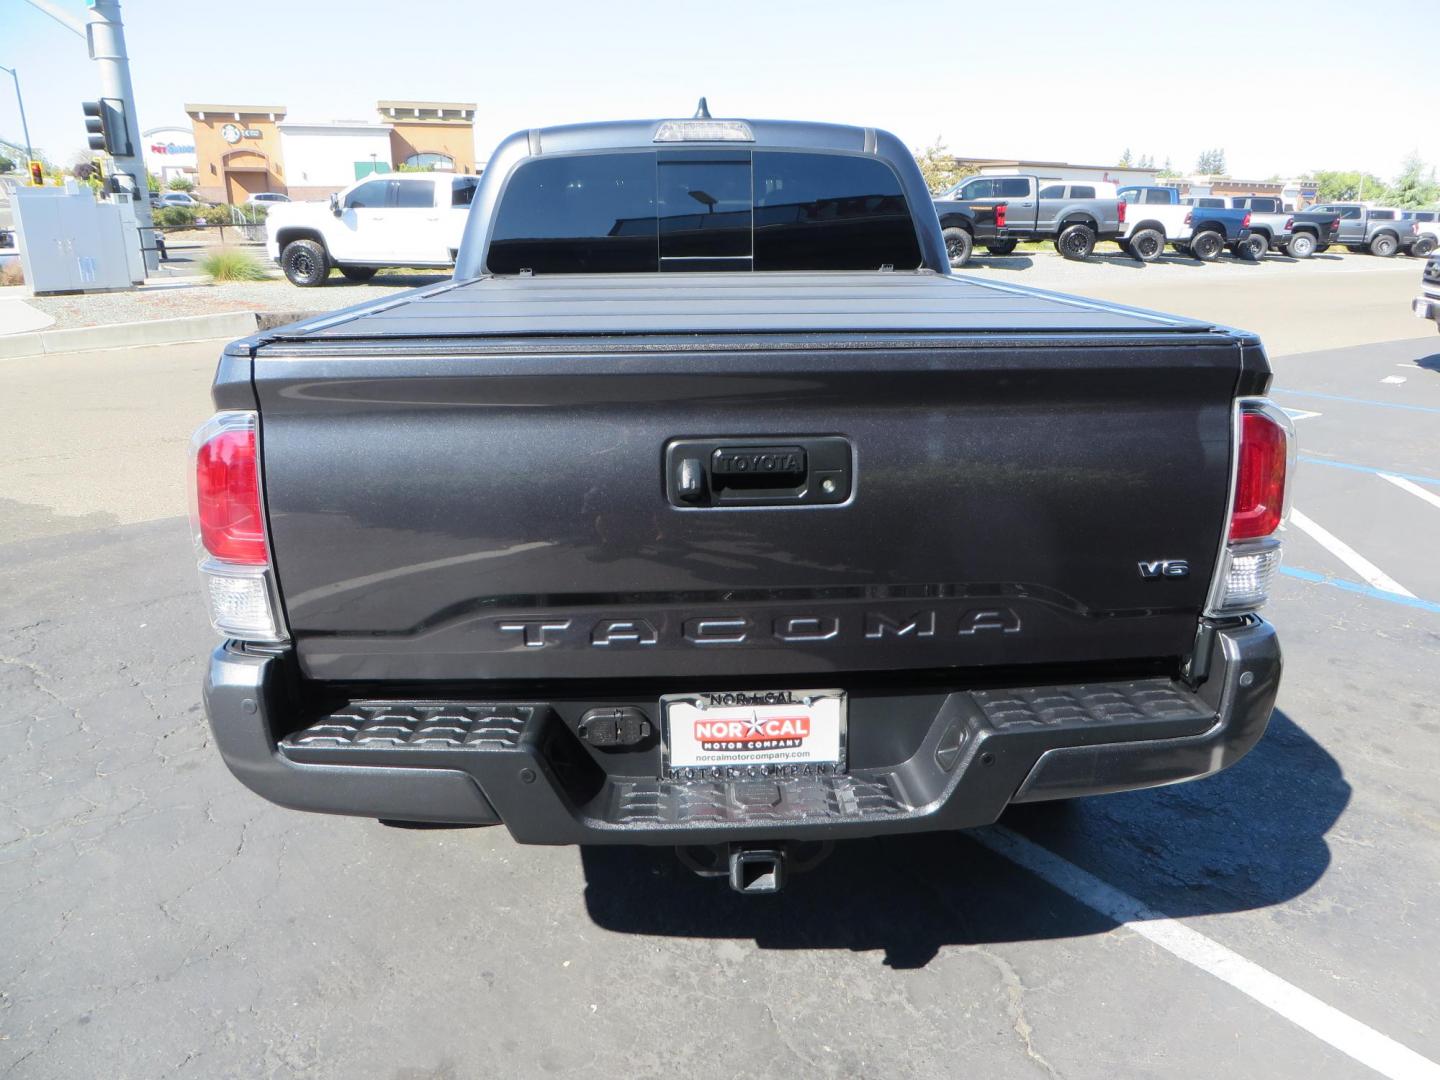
(518,763)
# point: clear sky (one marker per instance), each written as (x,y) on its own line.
(1079,82)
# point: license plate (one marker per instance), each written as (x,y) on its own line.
(746,733)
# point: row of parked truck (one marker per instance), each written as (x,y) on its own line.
(997,212)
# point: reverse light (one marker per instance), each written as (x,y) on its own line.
(1000,211)
(704,131)
(228,522)
(1263,463)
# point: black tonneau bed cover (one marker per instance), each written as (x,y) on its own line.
(591,305)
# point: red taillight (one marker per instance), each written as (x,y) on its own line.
(1189,217)
(1259,478)
(227,489)
(1289,224)
(1122,211)
(1000,215)
(1246,223)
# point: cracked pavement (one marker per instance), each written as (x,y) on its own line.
(159,920)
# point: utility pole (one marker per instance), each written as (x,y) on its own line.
(105,36)
(24,127)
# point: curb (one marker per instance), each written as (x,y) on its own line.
(229,324)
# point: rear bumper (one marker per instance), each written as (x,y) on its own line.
(1426,307)
(520,764)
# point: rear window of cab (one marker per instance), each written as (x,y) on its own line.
(702,210)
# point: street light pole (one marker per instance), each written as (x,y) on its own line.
(24,127)
(106,36)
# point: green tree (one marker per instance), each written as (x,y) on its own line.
(1346,186)
(1167,172)
(1415,186)
(6,164)
(1125,159)
(152,183)
(939,167)
(1211,162)
(180,183)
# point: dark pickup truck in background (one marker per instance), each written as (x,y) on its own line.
(1075,215)
(704,507)
(1213,230)
(964,224)
(1380,231)
(1298,234)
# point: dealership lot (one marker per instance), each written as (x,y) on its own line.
(161,919)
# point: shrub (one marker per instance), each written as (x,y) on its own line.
(180,183)
(11,272)
(173,216)
(232,266)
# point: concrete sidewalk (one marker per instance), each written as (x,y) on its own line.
(18,317)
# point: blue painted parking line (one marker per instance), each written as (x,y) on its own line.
(1413,477)
(1360,590)
(1356,400)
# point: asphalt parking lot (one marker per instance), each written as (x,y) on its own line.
(160,920)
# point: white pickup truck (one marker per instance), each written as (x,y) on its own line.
(392,219)
(1154,217)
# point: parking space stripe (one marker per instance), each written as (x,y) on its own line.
(1405,484)
(1367,469)
(1356,400)
(1327,1023)
(1348,555)
(1360,590)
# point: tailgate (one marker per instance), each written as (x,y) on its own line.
(511,515)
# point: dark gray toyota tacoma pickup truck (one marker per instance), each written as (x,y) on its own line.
(705,507)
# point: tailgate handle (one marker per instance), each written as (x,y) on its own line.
(735,472)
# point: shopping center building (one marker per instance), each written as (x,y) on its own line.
(241,150)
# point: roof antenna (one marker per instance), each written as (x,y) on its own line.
(702,111)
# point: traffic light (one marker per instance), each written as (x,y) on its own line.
(37,174)
(105,122)
(95,124)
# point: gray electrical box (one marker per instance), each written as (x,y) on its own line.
(70,242)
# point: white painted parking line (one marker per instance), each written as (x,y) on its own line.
(1299,414)
(1393,379)
(1348,555)
(1412,487)
(1327,1023)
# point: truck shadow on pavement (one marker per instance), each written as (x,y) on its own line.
(1429,363)
(1248,838)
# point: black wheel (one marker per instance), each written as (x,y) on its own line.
(1206,246)
(1423,246)
(1385,245)
(1076,242)
(306,263)
(958,246)
(1301,245)
(1253,248)
(1147,245)
(358,273)
(1001,247)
